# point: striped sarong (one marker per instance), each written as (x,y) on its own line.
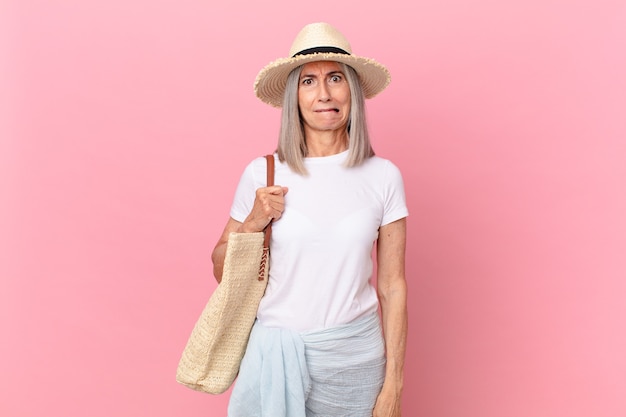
(334,372)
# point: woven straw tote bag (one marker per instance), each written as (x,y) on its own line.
(211,358)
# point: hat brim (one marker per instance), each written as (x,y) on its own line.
(270,83)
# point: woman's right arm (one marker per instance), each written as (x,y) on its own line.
(219,252)
(269,204)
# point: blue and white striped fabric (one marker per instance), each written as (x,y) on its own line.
(332,372)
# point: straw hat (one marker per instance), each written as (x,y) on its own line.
(318,42)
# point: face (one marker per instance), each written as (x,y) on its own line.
(323,97)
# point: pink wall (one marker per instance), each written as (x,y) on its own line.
(124,128)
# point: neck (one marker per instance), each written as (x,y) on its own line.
(326,143)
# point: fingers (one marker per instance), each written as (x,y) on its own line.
(271,201)
(269,205)
(274,190)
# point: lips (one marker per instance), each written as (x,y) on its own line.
(327,110)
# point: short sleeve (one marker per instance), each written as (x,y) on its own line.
(393,195)
(253,177)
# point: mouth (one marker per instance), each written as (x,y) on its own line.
(327,111)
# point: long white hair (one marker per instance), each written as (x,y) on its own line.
(292,146)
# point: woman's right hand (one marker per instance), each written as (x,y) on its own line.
(269,205)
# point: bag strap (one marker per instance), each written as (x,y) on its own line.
(268,228)
(270,182)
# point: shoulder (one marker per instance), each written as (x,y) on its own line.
(256,163)
(256,168)
(382,166)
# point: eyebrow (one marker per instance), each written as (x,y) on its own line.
(330,73)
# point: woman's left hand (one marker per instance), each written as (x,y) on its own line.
(388,404)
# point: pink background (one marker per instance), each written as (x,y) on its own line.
(125,126)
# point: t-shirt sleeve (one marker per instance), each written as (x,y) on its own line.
(393,195)
(246,190)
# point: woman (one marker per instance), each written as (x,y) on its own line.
(317,348)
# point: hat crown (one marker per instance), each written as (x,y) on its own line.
(316,35)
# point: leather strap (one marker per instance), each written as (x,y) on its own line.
(263,268)
(270,182)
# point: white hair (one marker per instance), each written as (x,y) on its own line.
(292,146)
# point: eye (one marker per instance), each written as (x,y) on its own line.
(336,78)
(307,81)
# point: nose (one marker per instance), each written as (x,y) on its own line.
(324,92)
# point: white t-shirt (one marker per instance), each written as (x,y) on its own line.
(321,247)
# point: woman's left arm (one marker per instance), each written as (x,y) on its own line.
(392,292)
